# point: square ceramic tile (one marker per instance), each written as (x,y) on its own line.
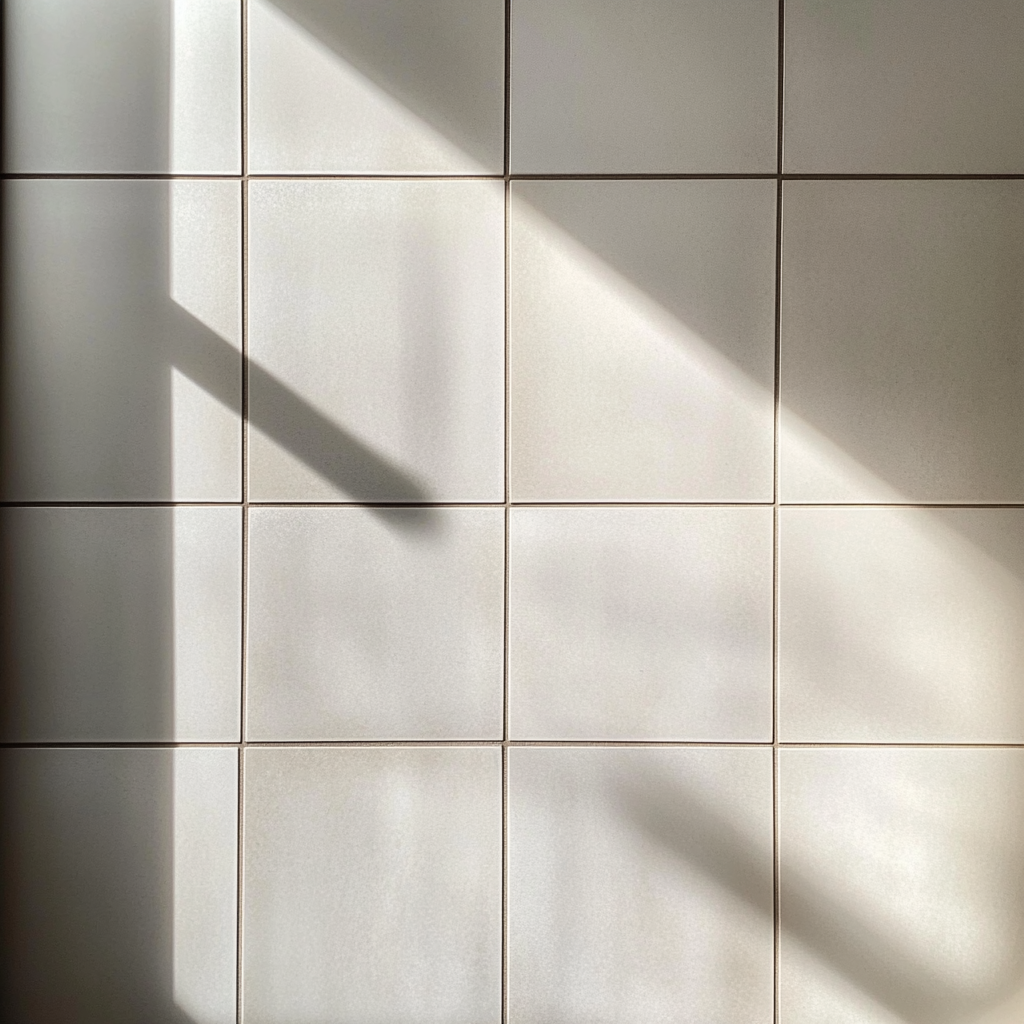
(901,625)
(122,367)
(901,886)
(640,885)
(123,86)
(123,624)
(904,87)
(372,885)
(349,87)
(642,340)
(120,885)
(640,623)
(653,87)
(902,342)
(375,623)
(377,325)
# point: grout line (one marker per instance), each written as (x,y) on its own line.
(506,165)
(666,176)
(516,504)
(243,668)
(777,394)
(497,743)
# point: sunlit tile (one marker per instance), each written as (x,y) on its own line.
(123,624)
(404,87)
(121,900)
(902,372)
(640,885)
(122,372)
(372,885)
(123,86)
(375,624)
(901,625)
(640,623)
(654,87)
(901,886)
(377,334)
(642,340)
(904,87)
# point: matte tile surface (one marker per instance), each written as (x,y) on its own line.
(901,885)
(377,332)
(902,342)
(122,371)
(901,625)
(640,885)
(123,86)
(375,624)
(119,870)
(372,885)
(653,87)
(642,340)
(349,87)
(904,87)
(640,623)
(122,624)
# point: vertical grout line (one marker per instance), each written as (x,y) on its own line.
(244,185)
(776,862)
(506,168)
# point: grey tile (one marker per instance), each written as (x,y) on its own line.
(640,623)
(122,367)
(123,624)
(123,86)
(375,623)
(901,625)
(642,340)
(377,337)
(349,87)
(901,885)
(904,87)
(640,885)
(372,885)
(902,323)
(653,87)
(119,869)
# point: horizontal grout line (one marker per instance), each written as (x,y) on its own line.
(790,176)
(637,176)
(497,743)
(121,745)
(513,504)
(809,745)
(120,177)
(120,504)
(695,176)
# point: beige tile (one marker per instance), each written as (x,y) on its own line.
(121,873)
(122,366)
(372,885)
(642,340)
(901,625)
(652,87)
(123,86)
(640,623)
(901,885)
(376,325)
(406,87)
(902,373)
(375,624)
(124,624)
(640,885)
(904,87)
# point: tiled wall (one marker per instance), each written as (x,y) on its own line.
(492,534)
